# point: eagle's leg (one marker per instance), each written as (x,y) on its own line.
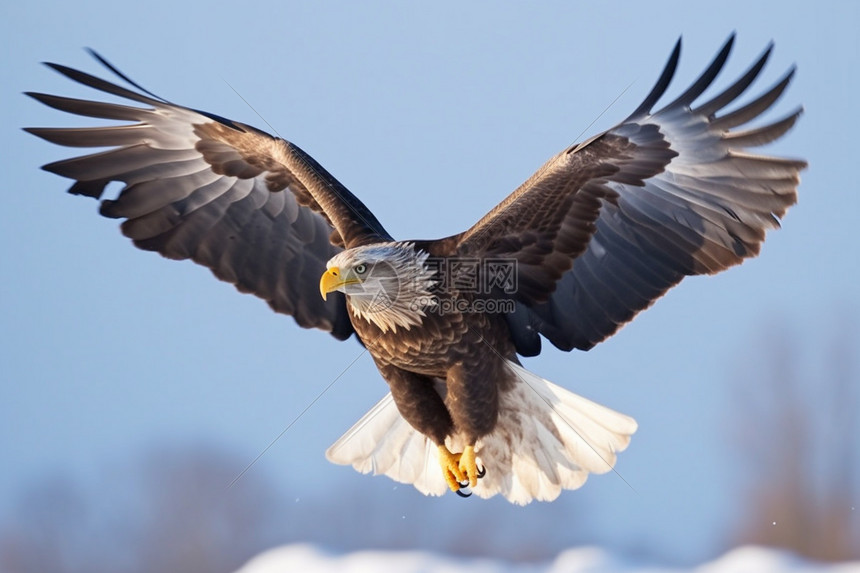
(421,405)
(473,400)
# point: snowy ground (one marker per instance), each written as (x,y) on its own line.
(582,560)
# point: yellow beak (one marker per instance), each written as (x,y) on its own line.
(332,280)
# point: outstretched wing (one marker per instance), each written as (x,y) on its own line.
(609,225)
(255,209)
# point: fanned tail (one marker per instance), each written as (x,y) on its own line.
(383,443)
(547,439)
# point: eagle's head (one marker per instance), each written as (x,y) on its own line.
(385,283)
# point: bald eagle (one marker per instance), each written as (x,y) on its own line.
(596,235)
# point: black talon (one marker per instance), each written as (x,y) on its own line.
(464,490)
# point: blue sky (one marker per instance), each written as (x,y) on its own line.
(431,115)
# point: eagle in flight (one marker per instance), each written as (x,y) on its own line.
(596,235)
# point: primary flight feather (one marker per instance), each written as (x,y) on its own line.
(596,235)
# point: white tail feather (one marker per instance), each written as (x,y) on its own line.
(547,439)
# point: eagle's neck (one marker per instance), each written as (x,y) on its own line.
(398,295)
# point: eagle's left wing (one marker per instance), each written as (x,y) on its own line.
(609,225)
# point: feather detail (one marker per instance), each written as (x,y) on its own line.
(383,443)
(547,439)
(395,290)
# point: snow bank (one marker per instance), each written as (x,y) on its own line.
(307,558)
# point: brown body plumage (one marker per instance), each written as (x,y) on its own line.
(466,351)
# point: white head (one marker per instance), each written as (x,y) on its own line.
(385,283)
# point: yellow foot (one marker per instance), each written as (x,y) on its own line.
(460,470)
(469,467)
(451,468)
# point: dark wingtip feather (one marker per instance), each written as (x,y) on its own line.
(101,59)
(756,107)
(56,67)
(707,77)
(90,108)
(97,83)
(732,92)
(45,99)
(765,134)
(55,167)
(92,189)
(662,83)
(39,132)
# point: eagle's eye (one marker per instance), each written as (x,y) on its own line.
(360,268)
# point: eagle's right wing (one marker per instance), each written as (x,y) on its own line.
(255,209)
